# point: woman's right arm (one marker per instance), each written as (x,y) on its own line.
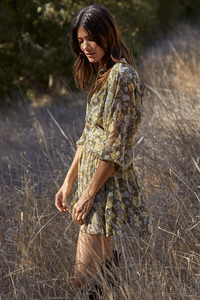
(65,190)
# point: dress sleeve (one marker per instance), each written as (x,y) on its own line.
(122,116)
(81,141)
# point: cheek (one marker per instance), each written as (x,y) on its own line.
(94,46)
(81,47)
(102,52)
(97,48)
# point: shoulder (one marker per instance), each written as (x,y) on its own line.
(124,71)
(125,74)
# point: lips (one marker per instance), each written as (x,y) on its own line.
(89,54)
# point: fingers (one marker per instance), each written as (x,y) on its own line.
(65,206)
(84,217)
(65,209)
(61,198)
(80,213)
(85,212)
(76,216)
(64,201)
(59,203)
(77,219)
(76,213)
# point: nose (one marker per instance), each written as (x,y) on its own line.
(86,45)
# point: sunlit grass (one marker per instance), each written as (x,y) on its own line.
(38,244)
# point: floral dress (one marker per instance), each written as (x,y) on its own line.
(112,118)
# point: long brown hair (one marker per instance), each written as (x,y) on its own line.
(100,25)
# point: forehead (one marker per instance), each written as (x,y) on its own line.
(82,33)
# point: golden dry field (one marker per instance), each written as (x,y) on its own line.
(37,144)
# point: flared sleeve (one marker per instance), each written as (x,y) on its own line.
(81,141)
(122,116)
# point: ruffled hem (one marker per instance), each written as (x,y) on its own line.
(113,206)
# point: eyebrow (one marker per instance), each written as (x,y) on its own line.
(82,38)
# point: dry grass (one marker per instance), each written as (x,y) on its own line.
(38,244)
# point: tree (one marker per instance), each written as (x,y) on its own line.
(34,36)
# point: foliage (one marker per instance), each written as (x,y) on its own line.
(34,36)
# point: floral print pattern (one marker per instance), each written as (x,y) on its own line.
(113,117)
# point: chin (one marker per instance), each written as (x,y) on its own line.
(92,60)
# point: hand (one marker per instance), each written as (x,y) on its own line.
(81,209)
(61,197)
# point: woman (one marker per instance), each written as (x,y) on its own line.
(108,194)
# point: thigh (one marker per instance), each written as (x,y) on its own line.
(92,249)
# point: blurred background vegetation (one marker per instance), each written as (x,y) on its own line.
(34,38)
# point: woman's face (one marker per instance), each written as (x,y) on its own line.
(93,51)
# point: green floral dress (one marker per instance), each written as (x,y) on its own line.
(112,118)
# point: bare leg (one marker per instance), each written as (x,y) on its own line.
(92,249)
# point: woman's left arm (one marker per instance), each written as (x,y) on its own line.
(83,206)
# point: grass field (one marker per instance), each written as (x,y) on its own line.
(38,243)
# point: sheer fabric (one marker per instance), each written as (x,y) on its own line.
(113,116)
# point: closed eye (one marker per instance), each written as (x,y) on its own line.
(89,38)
